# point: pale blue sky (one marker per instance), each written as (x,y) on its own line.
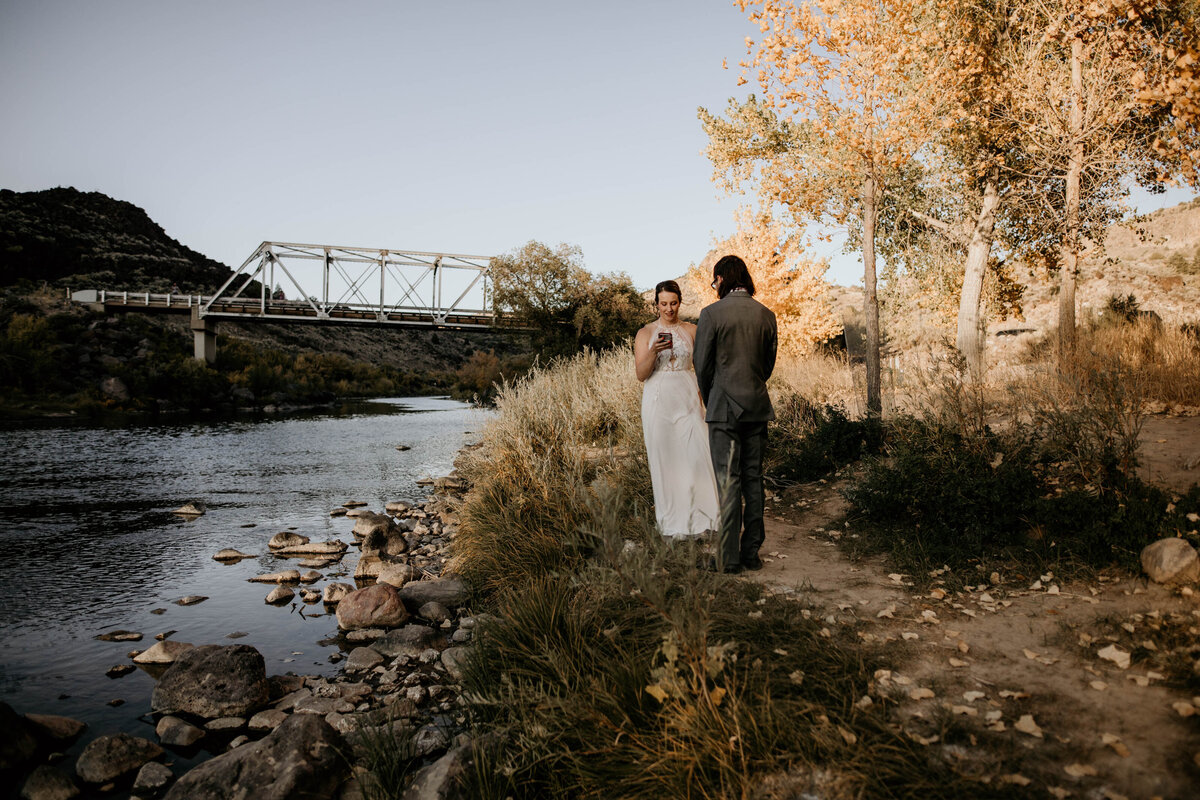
(467,127)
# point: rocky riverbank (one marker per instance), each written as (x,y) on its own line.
(403,632)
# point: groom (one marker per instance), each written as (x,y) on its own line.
(734,355)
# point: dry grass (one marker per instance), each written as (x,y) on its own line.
(556,431)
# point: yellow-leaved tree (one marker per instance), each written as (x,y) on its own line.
(786,280)
(845,105)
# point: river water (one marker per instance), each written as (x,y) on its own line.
(88,542)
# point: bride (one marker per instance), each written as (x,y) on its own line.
(685,489)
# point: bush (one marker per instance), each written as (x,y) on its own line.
(1052,490)
(807,441)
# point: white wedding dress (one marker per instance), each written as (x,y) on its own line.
(685,490)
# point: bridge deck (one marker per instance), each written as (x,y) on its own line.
(246,309)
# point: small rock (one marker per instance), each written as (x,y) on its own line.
(193,509)
(118,670)
(191,600)
(337,512)
(267,720)
(286,539)
(434,611)
(283,576)
(280,594)
(1171,560)
(311,576)
(230,554)
(354,504)
(152,778)
(331,548)
(225,724)
(174,732)
(310,596)
(334,592)
(396,574)
(453,659)
(120,636)
(164,652)
(238,741)
(362,659)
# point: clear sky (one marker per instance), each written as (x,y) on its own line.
(468,126)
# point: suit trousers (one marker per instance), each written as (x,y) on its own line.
(737,455)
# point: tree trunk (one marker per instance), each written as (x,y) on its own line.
(870,304)
(1070,245)
(970,321)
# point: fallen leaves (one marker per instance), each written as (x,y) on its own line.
(921,693)
(1114,741)
(1116,655)
(1027,725)
(1080,770)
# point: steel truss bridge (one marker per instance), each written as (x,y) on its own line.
(310,283)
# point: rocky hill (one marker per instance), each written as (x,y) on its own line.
(64,236)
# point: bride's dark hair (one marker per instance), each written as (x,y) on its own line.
(667,286)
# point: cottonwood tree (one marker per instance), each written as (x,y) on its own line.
(786,280)
(842,109)
(550,291)
(1086,130)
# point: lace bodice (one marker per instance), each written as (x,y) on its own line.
(679,357)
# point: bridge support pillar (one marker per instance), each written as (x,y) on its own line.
(204,331)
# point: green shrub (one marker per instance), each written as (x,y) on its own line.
(1052,490)
(807,441)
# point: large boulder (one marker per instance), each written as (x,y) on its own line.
(300,758)
(450,592)
(1171,560)
(214,681)
(109,757)
(377,606)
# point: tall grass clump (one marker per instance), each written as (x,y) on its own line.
(555,431)
(1164,358)
(640,676)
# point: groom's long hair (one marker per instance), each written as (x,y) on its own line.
(734,275)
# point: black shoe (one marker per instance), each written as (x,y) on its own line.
(732,569)
(752,563)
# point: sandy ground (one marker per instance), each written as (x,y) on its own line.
(1015,646)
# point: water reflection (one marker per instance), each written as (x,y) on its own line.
(88,541)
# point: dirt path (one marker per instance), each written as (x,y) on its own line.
(977,663)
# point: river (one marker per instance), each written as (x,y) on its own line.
(88,542)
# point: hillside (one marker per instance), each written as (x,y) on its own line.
(1155,259)
(63,236)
